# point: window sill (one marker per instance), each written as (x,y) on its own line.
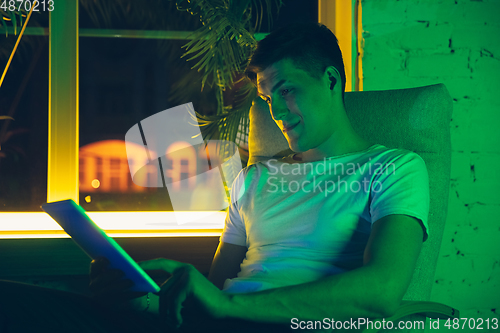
(16,225)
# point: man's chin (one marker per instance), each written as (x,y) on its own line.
(295,147)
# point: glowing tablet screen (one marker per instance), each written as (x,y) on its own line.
(95,243)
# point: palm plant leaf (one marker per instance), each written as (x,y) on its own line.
(5,26)
(221,48)
(14,16)
(226,124)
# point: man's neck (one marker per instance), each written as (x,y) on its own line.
(343,141)
(317,155)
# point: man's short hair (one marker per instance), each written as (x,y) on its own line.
(312,47)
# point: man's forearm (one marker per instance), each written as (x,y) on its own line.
(354,294)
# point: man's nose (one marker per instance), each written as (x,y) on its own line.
(278,110)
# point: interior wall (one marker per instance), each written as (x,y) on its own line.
(410,43)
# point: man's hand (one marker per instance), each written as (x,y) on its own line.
(108,286)
(187,287)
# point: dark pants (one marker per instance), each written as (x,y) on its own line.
(30,309)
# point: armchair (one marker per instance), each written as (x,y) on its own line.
(416,119)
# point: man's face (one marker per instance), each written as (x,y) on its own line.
(300,105)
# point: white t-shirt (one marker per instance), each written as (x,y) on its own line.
(302,221)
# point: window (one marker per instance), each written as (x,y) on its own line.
(100,170)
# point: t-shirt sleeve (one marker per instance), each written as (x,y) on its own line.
(234,228)
(401,186)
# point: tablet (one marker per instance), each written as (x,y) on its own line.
(95,243)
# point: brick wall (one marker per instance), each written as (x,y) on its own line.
(410,43)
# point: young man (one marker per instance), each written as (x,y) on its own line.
(332,231)
(301,242)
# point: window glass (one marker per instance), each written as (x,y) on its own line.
(23,142)
(122,82)
(125,80)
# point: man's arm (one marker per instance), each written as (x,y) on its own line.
(373,290)
(226,263)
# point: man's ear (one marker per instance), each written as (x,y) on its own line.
(333,76)
(334,81)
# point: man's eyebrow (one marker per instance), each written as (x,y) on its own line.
(276,86)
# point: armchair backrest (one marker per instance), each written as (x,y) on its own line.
(416,119)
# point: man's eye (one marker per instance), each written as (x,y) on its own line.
(285,92)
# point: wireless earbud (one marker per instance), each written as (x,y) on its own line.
(334,81)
